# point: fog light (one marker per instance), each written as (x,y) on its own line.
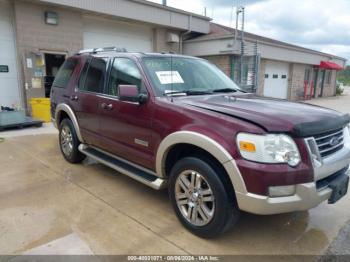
(281,191)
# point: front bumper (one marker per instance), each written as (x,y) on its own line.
(307,196)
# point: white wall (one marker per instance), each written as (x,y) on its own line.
(105,33)
(9,88)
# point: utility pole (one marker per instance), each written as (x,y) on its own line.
(240,10)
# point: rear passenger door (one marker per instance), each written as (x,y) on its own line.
(86,100)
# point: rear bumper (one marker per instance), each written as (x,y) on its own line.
(306,197)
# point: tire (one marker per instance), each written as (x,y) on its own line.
(212,213)
(69,142)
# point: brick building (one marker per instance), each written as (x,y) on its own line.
(37,35)
(280,69)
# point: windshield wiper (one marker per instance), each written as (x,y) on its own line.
(187,93)
(224,90)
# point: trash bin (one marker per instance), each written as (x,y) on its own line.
(41,109)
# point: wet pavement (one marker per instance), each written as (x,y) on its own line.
(48,206)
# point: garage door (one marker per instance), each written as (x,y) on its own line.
(8,68)
(106,33)
(276,79)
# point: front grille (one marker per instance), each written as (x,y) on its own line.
(330,142)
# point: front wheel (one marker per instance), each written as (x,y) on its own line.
(69,142)
(200,199)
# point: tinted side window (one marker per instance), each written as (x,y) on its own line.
(124,72)
(95,75)
(65,73)
(82,77)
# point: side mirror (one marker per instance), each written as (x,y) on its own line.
(130,93)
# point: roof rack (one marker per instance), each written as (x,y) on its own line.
(102,49)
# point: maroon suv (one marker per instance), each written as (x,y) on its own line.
(178,121)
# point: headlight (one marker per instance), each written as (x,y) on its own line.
(272,148)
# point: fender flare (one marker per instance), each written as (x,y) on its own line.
(207,144)
(68,110)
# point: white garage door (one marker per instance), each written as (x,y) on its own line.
(9,92)
(276,79)
(107,33)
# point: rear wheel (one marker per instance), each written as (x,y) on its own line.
(200,199)
(69,142)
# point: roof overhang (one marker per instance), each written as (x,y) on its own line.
(280,44)
(141,11)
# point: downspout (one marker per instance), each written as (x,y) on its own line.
(185,33)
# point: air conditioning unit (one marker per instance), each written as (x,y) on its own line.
(173,38)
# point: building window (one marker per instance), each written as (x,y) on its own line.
(275,76)
(284,76)
(307,75)
(266,75)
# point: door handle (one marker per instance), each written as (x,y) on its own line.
(107,106)
(74,98)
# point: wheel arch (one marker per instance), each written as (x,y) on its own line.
(64,109)
(205,143)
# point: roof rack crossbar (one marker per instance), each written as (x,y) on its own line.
(103,49)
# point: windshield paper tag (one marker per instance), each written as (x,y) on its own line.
(169,77)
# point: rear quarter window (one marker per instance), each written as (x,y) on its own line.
(64,74)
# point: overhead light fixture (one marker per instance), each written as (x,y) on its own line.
(51,18)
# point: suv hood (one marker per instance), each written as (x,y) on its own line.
(273,115)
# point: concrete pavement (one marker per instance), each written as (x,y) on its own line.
(339,103)
(48,206)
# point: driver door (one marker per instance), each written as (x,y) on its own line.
(126,127)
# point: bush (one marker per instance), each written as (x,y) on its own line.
(339,90)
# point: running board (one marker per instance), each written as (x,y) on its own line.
(125,167)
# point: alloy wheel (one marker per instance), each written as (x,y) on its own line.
(194,198)
(66,140)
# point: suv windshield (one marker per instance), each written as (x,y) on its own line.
(186,76)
